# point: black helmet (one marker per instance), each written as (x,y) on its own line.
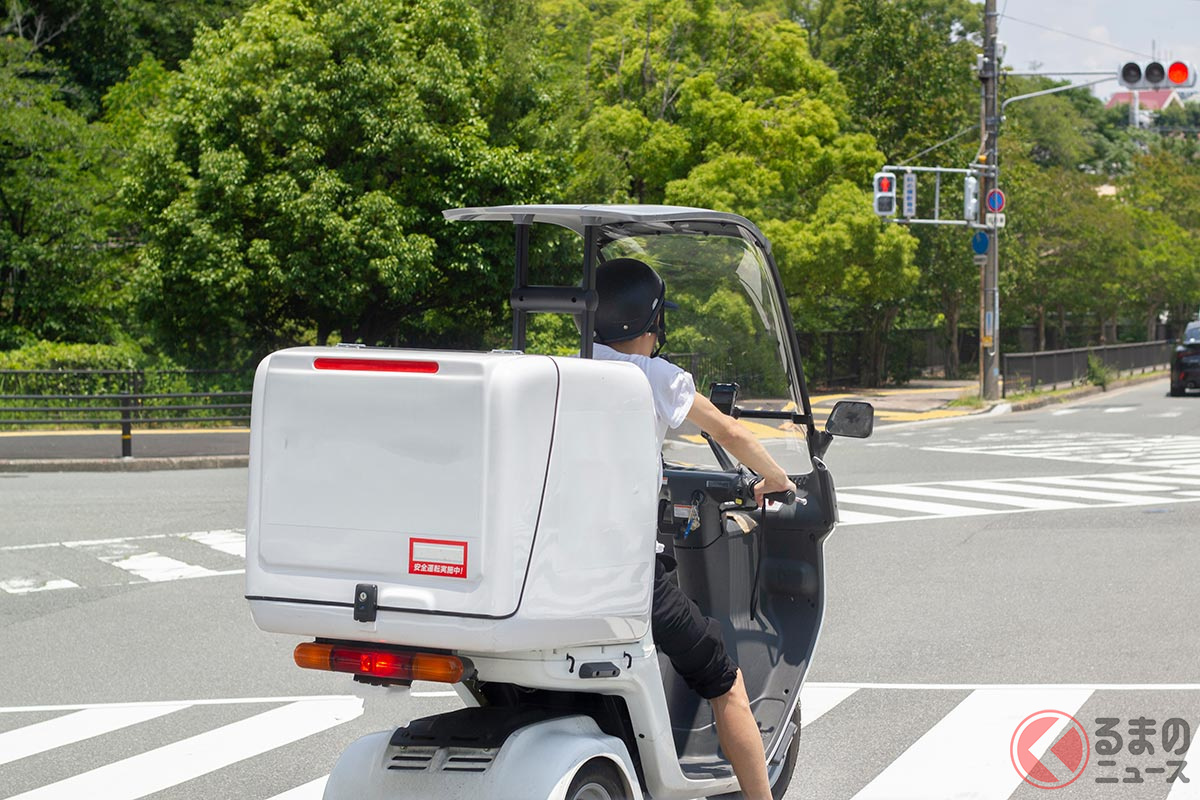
(631,300)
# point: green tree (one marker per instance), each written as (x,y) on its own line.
(98,41)
(53,284)
(719,106)
(291,186)
(908,71)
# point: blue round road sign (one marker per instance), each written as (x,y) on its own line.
(979,243)
(996,201)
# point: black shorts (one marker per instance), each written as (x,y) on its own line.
(691,640)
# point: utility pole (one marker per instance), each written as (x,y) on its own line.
(989,306)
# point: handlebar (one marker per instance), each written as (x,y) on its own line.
(786,497)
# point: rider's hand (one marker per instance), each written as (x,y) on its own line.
(779,483)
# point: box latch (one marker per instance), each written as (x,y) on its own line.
(366,597)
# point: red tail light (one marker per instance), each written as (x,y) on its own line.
(379,662)
(375,365)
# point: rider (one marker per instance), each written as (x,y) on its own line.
(631,326)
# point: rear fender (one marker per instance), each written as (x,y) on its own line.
(535,762)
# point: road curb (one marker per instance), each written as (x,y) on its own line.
(120,464)
(1084,391)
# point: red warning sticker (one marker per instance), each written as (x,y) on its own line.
(446,559)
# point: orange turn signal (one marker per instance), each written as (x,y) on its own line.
(379,662)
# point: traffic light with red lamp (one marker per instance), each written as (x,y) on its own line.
(1157,75)
(885,194)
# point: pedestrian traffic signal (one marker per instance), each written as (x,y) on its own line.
(1157,75)
(971,199)
(885,194)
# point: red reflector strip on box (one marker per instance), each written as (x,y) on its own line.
(440,558)
(375,365)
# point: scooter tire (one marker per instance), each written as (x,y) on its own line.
(598,779)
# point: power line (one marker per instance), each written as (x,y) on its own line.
(1080,38)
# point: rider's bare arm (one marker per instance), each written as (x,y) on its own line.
(742,444)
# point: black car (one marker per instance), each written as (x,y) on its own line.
(1185,368)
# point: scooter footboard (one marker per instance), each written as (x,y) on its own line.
(532,762)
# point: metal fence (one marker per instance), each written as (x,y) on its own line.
(129,406)
(1050,368)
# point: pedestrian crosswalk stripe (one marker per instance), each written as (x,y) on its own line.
(154,567)
(76,727)
(1033,503)
(1012,495)
(138,556)
(1142,451)
(1026,485)
(939,509)
(313,790)
(961,751)
(27,585)
(230,541)
(815,701)
(1100,483)
(164,767)
(847,517)
(969,747)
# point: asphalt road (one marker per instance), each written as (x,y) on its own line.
(987,568)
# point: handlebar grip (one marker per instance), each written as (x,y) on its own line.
(786,497)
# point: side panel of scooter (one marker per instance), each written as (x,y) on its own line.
(535,763)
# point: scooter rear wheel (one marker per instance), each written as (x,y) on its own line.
(598,779)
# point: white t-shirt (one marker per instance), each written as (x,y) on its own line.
(673,388)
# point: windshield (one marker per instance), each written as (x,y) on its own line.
(728,329)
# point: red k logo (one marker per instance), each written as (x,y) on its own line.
(1050,749)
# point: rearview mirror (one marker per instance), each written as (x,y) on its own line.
(723,396)
(852,418)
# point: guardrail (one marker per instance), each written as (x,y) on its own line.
(1027,371)
(126,409)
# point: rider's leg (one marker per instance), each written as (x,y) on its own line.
(698,653)
(740,739)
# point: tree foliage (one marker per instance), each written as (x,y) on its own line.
(52,175)
(292,185)
(215,178)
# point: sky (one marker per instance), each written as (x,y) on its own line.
(1086,35)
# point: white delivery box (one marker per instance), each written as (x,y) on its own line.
(481,502)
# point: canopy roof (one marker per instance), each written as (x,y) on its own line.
(578,217)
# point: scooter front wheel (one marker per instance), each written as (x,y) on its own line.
(598,779)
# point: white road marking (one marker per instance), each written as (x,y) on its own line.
(213,701)
(71,728)
(1119,409)
(1026,485)
(966,754)
(1099,482)
(1062,412)
(1035,503)
(133,554)
(939,509)
(231,542)
(1143,451)
(27,585)
(863,518)
(816,700)
(155,568)
(190,758)
(313,790)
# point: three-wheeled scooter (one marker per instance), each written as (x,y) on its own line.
(490,520)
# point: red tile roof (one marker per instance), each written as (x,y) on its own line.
(1155,100)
